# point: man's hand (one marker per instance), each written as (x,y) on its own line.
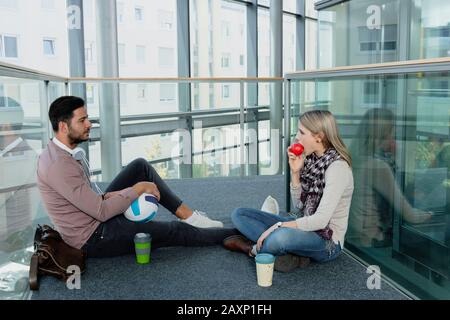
(147,187)
(111,194)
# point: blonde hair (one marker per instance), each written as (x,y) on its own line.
(322,121)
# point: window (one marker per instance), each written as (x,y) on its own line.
(225,91)
(241,29)
(371,92)
(371,40)
(121,48)
(216,29)
(226,32)
(139,14)
(11,95)
(154,54)
(165,19)
(89,52)
(389,45)
(8,46)
(49,47)
(166,57)
(11,4)
(226,60)
(90,93)
(123,94)
(140,54)
(368,46)
(120,12)
(142,91)
(167,92)
(289,50)
(48,4)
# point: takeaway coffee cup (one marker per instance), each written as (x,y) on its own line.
(264,269)
(142,244)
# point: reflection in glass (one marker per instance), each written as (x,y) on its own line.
(397,127)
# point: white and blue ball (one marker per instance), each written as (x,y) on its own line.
(143,209)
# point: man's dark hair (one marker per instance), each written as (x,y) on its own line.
(62,109)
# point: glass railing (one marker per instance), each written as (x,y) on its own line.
(185,128)
(395,120)
(196,127)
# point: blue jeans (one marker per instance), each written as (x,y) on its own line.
(252,223)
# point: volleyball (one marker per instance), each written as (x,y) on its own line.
(143,209)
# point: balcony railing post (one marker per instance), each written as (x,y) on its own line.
(109,92)
(45,123)
(276,99)
(242,128)
(287,140)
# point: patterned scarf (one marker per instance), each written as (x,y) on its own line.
(313,182)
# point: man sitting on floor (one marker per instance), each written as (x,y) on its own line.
(93,221)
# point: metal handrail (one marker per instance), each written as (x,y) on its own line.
(398,67)
(14,71)
(193,113)
(172,79)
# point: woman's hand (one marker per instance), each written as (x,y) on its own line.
(289,224)
(417,216)
(295,162)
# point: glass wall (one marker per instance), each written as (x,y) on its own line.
(23,135)
(365,32)
(397,129)
(218,49)
(430,29)
(359,32)
(33,35)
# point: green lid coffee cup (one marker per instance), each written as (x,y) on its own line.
(142,244)
(264,269)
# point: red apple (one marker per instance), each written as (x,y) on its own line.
(296,148)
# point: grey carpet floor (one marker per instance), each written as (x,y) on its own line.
(212,272)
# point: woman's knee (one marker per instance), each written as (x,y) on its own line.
(277,242)
(236,215)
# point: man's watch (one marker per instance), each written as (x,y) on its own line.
(279,224)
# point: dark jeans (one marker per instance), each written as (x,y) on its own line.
(116,236)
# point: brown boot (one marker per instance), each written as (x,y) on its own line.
(290,262)
(238,243)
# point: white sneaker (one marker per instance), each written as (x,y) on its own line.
(270,205)
(200,220)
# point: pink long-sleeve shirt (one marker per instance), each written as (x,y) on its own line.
(73,206)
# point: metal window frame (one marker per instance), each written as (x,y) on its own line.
(320,5)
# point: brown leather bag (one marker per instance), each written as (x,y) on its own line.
(52,256)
